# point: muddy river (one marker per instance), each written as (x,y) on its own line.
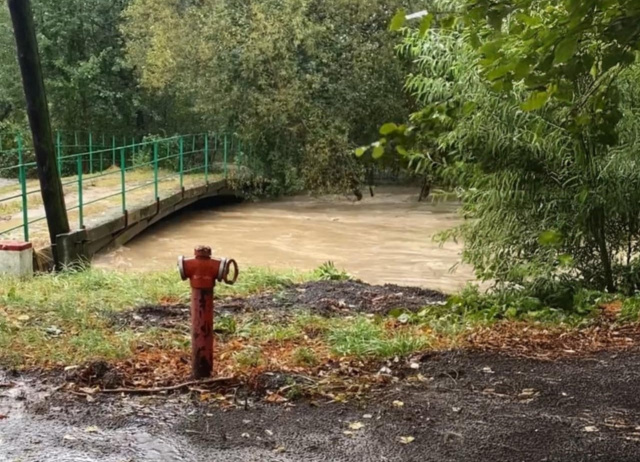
(385,239)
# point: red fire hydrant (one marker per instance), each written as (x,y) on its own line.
(203,272)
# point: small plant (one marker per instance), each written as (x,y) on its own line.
(304,356)
(355,339)
(251,356)
(226,325)
(142,157)
(630,309)
(401,345)
(328,272)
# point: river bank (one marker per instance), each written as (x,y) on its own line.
(310,366)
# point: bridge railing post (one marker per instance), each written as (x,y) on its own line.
(206,158)
(181,159)
(226,153)
(91,153)
(123,170)
(102,148)
(80,192)
(22,173)
(155,169)
(59,151)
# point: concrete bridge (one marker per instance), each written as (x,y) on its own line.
(83,244)
(113,193)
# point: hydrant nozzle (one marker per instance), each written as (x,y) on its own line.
(203,272)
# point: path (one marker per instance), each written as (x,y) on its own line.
(469,407)
(101,199)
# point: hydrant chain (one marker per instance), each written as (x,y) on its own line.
(202,273)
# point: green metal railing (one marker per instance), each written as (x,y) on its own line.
(89,169)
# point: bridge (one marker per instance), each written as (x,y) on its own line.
(114,188)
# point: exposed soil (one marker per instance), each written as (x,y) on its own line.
(458,406)
(325,298)
(533,394)
(329,297)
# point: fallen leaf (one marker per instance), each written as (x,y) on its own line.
(275,398)
(398,404)
(3,416)
(356,425)
(527,393)
(407,439)
(89,391)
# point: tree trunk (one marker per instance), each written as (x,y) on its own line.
(605,258)
(425,191)
(38,111)
(371,181)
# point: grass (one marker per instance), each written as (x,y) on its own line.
(365,337)
(305,357)
(67,319)
(81,304)
(249,357)
(14,206)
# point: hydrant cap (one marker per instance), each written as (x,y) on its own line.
(203,252)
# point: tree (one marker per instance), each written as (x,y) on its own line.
(88,82)
(304,95)
(532,131)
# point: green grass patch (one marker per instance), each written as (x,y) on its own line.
(250,356)
(305,357)
(66,318)
(367,338)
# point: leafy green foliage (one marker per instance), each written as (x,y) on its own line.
(304,95)
(328,272)
(89,85)
(520,109)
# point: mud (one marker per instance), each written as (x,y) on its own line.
(325,298)
(459,406)
(329,298)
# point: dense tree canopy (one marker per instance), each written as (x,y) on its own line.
(522,111)
(303,81)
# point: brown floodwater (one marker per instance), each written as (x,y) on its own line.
(385,239)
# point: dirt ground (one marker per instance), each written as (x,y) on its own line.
(469,407)
(461,405)
(325,298)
